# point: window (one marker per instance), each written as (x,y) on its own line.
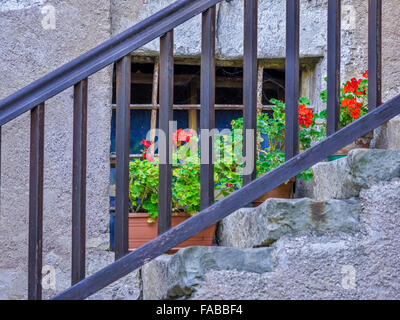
(229,98)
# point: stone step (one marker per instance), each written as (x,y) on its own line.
(262,226)
(305,265)
(171,277)
(346,177)
(387,136)
(328,210)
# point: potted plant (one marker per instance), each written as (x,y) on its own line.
(273,128)
(143,193)
(354,105)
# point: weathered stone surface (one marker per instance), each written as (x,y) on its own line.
(361,169)
(328,181)
(364,266)
(187,37)
(388,135)
(154,278)
(305,267)
(249,228)
(179,275)
(29,52)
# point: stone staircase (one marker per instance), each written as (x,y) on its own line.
(341,241)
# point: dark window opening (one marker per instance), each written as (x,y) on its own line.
(228,99)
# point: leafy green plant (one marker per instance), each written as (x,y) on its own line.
(143,186)
(273,128)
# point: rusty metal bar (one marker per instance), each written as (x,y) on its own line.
(79,182)
(165,148)
(374,54)
(292,78)
(36,203)
(250,83)
(207,111)
(334,38)
(122,154)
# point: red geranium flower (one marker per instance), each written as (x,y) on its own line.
(353,107)
(181,136)
(352,86)
(365,75)
(355,113)
(145,143)
(306,116)
(148,157)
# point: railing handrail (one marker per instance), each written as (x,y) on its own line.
(118,50)
(235,201)
(101,56)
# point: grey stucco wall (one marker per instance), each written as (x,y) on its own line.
(271,40)
(28,52)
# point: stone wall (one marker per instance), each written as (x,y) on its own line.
(310,264)
(29,51)
(334,266)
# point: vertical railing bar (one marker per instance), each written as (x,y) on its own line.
(207,110)
(165,117)
(122,156)
(250,75)
(79,182)
(292,78)
(36,203)
(334,38)
(374,54)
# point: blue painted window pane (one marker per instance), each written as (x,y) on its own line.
(223,119)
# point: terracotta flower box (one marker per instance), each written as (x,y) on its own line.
(284,191)
(141,231)
(362,143)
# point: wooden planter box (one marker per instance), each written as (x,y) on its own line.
(141,232)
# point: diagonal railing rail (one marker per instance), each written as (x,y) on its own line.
(117,50)
(100,57)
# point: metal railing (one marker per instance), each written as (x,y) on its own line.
(117,50)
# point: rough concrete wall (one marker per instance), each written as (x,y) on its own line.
(28,52)
(230,27)
(271,45)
